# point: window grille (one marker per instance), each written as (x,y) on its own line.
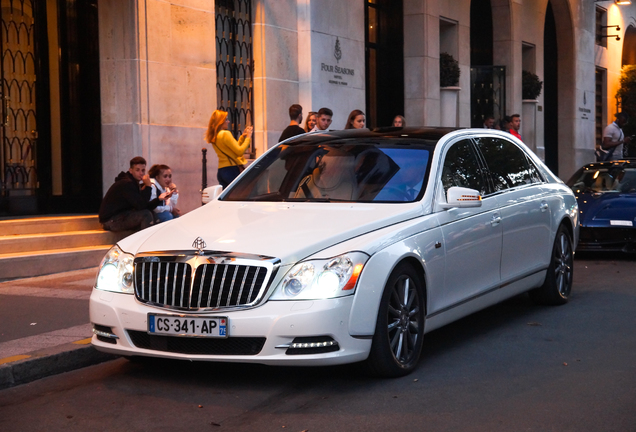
(234,64)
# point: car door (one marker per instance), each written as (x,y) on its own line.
(471,236)
(524,207)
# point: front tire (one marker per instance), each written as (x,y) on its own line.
(399,330)
(558,282)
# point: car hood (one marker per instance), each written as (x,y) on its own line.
(598,209)
(287,231)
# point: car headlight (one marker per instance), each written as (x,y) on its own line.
(322,279)
(116,272)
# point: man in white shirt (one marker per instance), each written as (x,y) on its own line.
(323,120)
(613,137)
(489,122)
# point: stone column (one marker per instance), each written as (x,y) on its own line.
(331,57)
(276,51)
(158,87)
(421,64)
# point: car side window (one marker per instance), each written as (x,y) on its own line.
(508,165)
(461,168)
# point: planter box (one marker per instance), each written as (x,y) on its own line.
(449,106)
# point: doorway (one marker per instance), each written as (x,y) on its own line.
(487,82)
(50,132)
(551,91)
(384,43)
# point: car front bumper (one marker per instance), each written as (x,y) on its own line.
(273,325)
(607,239)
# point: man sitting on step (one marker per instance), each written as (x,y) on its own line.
(127,205)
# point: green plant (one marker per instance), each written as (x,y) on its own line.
(531,85)
(627,95)
(448,70)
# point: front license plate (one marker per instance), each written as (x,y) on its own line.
(621,223)
(215,327)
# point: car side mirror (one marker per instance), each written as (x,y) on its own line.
(211,193)
(462,197)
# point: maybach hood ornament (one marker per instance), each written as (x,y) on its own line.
(199,244)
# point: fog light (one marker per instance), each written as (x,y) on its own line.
(311,345)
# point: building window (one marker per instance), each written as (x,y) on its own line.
(234,63)
(601,31)
(528,57)
(599,102)
(448,37)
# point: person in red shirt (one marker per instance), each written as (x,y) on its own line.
(515,125)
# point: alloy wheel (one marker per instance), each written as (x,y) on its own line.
(563,261)
(403,319)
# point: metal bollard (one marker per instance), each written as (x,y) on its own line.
(204,171)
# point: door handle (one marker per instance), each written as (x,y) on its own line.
(544,206)
(495,220)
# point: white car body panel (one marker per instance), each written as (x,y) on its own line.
(290,232)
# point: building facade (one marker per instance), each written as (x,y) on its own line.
(142,77)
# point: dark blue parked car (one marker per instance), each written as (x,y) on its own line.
(606,194)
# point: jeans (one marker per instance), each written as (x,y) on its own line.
(163,216)
(134,220)
(226,175)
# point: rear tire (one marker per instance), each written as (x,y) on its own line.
(399,330)
(558,281)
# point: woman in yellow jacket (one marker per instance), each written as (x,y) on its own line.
(229,151)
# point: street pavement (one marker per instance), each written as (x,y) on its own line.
(45,327)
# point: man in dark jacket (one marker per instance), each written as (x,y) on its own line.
(296,118)
(127,204)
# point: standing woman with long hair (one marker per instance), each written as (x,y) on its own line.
(399,121)
(310,122)
(355,120)
(229,151)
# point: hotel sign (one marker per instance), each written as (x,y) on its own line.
(337,75)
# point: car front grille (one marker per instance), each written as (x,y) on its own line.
(247,346)
(193,283)
(607,239)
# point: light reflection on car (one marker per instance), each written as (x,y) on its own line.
(342,247)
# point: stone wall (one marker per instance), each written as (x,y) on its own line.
(158,87)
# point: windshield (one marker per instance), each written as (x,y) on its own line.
(604,179)
(377,170)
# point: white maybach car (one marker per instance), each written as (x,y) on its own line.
(342,247)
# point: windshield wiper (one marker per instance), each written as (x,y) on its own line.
(308,200)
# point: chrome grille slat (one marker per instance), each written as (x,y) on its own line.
(150,282)
(218,299)
(157,300)
(229,296)
(174,283)
(165,286)
(201,286)
(247,270)
(249,296)
(183,283)
(212,284)
(186,282)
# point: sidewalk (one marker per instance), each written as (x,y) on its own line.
(44,326)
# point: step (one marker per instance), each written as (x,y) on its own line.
(49,241)
(48,224)
(39,263)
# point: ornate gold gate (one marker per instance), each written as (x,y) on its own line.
(18,131)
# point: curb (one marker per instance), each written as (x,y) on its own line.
(50,361)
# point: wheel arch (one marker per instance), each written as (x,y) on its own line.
(373,280)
